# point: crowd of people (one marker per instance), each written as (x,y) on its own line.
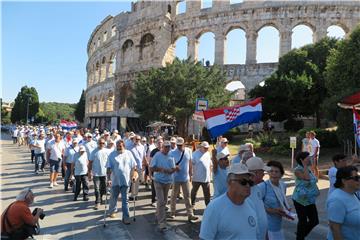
(242,206)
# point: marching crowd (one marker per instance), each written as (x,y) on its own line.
(243,205)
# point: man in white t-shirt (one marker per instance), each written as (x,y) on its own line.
(55,153)
(314,153)
(39,151)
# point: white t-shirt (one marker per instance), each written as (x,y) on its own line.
(201,166)
(314,144)
(256,198)
(56,150)
(41,144)
(332,179)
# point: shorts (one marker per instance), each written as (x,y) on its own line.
(54,166)
(312,160)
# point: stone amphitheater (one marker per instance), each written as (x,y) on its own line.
(121,46)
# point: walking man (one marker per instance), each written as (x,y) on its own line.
(55,154)
(80,169)
(39,150)
(97,170)
(68,160)
(121,170)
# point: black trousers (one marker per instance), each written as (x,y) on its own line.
(32,155)
(206,190)
(308,219)
(81,180)
(153,193)
(99,187)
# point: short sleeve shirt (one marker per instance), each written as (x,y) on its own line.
(201,166)
(183,174)
(220,184)
(163,161)
(121,165)
(99,158)
(69,153)
(41,143)
(80,164)
(314,144)
(56,150)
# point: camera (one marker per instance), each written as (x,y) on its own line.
(41,215)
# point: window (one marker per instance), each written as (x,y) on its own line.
(113,31)
(105,36)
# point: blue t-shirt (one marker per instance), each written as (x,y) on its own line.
(236,159)
(183,174)
(138,152)
(344,208)
(201,166)
(80,164)
(256,199)
(220,184)
(225,220)
(163,161)
(99,158)
(271,201)
(69,153)
(121,165)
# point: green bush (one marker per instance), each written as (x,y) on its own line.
(327,139)
(280,150)
(266,140)
(293,125)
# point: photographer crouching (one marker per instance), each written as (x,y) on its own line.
(17,221)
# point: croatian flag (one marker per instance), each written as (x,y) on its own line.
(357,126)
(220,120)
(67,124)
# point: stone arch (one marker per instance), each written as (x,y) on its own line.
(336,31)
(268,44)
(102,102)
(206,47)
(180,45)
(302,35)
(147,47)
(97,72)
(127,51)
(306,23)
(94,106)
(235,43)
(110,101)
(181,7)
(103,69)
(268,24)
(235,27)
(340,24)
(112,64)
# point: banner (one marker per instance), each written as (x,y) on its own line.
(357,126)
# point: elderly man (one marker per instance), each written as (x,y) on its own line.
(220,173)
(55,152)
(159,145)
(97,170)
(173,143)
(243,148)
(115,136)
(80,169)
(223,147)
(68,160)
(257,167)
(182,156)
(90,144)
(138,152)
(17,215)
(231,216)
(163,167)
(121,170)
(201,170)
(39,150)
(129,142)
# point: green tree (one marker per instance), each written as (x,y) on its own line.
(25,96)
(5,116)
(80,108)
(170,93)
(297,88)
(342,79)
(54,111)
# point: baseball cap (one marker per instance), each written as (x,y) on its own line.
(224,140)
(256,163)
(205,144)
(172,140)
(88,134)
(239,168)
(131,135)
(144,139)
(82,148)
(244,147)
(115,131)
(180,141)
(221,155)
(167,144)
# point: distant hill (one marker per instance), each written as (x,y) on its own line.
(53,111)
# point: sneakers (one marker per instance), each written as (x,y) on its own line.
(86,199)
(75,199)
(56,184)
(171,216)
(51,185)
(36,172)
(126,221)
(153,204)
(192,218)
(96,207)
(113,215)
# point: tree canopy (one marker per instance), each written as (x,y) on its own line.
(25,96)
(297,88)
(170,93)
(342,74)
(53,111)
(80,108)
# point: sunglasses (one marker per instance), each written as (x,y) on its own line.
(355,178)
(101,143)
(243,182)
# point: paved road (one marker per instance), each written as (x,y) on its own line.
(66,219)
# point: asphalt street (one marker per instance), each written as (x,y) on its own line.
(66,219)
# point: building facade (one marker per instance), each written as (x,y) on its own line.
(124,45)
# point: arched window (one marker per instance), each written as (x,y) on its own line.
(236,47)
(103,69)
(113,31)
(101,103)
(336,32)
(97,73)
(127,52)
(207,48)
(181,48)
(301,36)
(147,47)
(110,102)
(112,65)
(181,7)
(268,45)
(105,36)
(169,8)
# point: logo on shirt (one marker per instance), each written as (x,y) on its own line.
(251,221)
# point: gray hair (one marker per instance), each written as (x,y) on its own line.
(22,195)
(229,177)
(246,155)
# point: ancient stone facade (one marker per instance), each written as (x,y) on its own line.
(122,46)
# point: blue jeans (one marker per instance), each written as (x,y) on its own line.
(115,191)
(39,161)
(67,176)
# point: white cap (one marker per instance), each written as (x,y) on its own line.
(221,155)
(131,135)
(167,144)
(205,144)
(256,163)
(75,140)
(180,141)
(238,168)
(144,139)
(88,134)
(115,131)
(172,140)
(82,148)
(244,147)
(224,140)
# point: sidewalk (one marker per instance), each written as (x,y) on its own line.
(66,219)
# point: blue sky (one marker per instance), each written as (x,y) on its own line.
(44,45)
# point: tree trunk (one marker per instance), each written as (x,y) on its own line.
(318,120)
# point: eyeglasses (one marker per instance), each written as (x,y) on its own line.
(243,182)
(355,178)
(101,143)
